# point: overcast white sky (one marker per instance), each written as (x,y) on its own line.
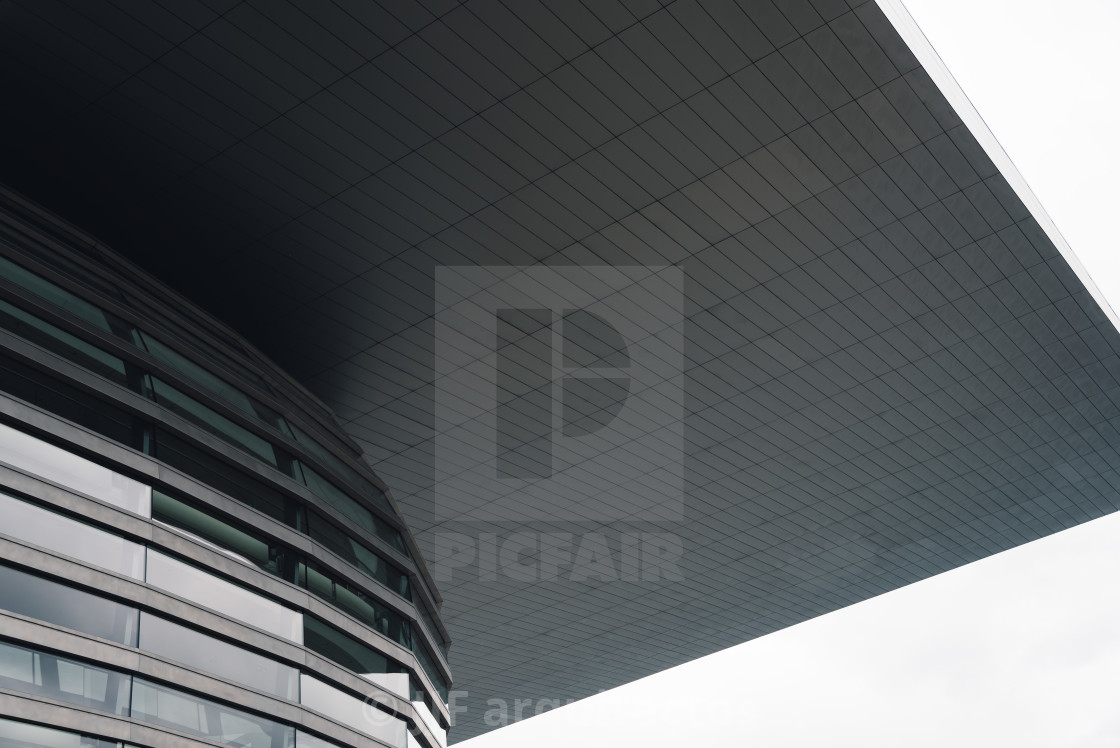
(1022,649)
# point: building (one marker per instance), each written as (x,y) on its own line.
(882,360)
(191,547)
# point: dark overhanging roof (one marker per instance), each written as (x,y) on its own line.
(889,368)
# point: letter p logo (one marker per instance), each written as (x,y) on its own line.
(526,381)
(559,393)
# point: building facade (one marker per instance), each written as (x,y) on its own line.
(191,550)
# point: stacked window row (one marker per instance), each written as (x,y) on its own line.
(25,231)
(47,675)
(86,543)
(36,597)
(115,369)
(63,399)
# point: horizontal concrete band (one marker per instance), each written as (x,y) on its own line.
(107,584)
(24,415)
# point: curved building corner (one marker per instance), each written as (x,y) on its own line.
(191,552)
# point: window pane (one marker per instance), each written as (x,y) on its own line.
(24,735)
(214,422)
(223,477)
(197,373)
(334,539)
(224,597)
(207,719)
(352,509)
(427,662)
(344,649)
(47,529)
(65,401)
(54,464)
(203,524)
(334,463)
(40,674)
(215,656)
(55,294)
(28,595)
(178,332)
(352,712)
(366,609)
(46,335)
(430,625)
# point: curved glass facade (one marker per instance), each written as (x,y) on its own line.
(166,490)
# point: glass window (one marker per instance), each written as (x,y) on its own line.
(430,624)
(351,711)
(28,595)
(345,650)
(398,683)
(352,509)
(31,328)
(197,373)
(78,540)
(224,597)
(179,332)
(341,468)
(54,464)
(66,401)
(168,707)
(223,477)
(427,661)
(92,278)
(333,538)
(215,656)
(203,523)
(56,295)
(15,734)
(355,602)
(39,674)
(214,422)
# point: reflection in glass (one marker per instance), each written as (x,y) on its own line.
(350,549)
(269,556)
(355,602)
(44,528)
(42,599)
(57,295)
(62,679)
(427,662)
(207,719)
(193,371)
(204,467)
(66,401)
(29,327)
(48,461)
(214,422)
(182,334)
(15,734)
(339,500)
(351,711)
(224,597)
(211,655)
(345,650)
(430,625)
(341,468)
